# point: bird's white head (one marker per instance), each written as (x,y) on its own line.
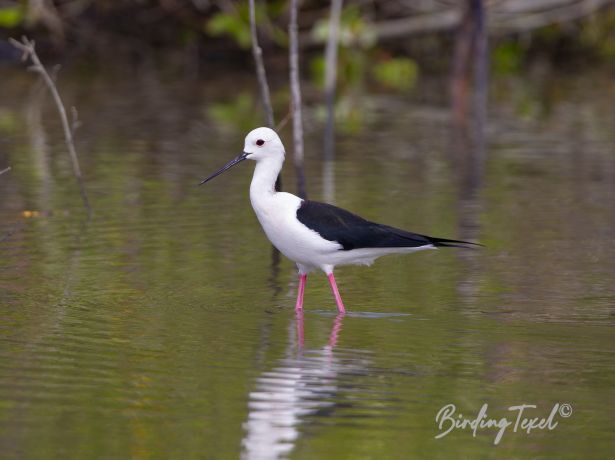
(260,144)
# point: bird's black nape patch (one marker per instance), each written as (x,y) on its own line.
(354,232)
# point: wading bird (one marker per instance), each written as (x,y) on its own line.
(317,235)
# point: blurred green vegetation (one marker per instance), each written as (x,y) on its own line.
(11,16)
(355,30)
(235,23)
(598,34)
(507,58)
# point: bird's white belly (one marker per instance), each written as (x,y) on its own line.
(277,215)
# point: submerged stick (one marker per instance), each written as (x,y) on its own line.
(295,92)
(331,74)
(481,64)
(328,178)
(5,170)
(462,58)
(27,47)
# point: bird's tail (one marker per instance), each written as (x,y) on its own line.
(446,243)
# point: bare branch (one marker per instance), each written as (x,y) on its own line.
(442,20)
(530,6)
(504,16)
(27,47)
(257,52)
(535,20)
(5,170)
(261,75)
(295,90)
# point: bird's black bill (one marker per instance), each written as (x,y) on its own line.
(229,165)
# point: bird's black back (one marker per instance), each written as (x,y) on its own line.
(354,232)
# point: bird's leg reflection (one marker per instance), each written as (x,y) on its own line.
(300,330)
(333,336)
(335,330)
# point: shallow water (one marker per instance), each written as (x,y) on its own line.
(163,328)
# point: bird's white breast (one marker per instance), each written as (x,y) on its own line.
(277,213)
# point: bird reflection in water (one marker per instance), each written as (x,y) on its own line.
(305,383)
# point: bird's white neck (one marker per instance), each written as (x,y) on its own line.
(265,174)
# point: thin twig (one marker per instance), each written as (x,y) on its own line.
(75,122)
(261,74)
(27,47)
(295,90)
(284,120)
(5,170)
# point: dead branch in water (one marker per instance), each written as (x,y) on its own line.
(471,53)
(469,94)
(5,170)
(330,86)
(27,47)
(331,74)
(295,92)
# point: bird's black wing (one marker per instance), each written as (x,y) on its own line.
(354,232)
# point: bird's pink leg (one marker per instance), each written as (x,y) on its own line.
(336,293)
(302,281)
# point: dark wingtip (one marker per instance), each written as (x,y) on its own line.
(446,243)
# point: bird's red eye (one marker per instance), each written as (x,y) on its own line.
(260,142)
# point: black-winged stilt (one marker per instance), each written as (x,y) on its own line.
(317,235)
